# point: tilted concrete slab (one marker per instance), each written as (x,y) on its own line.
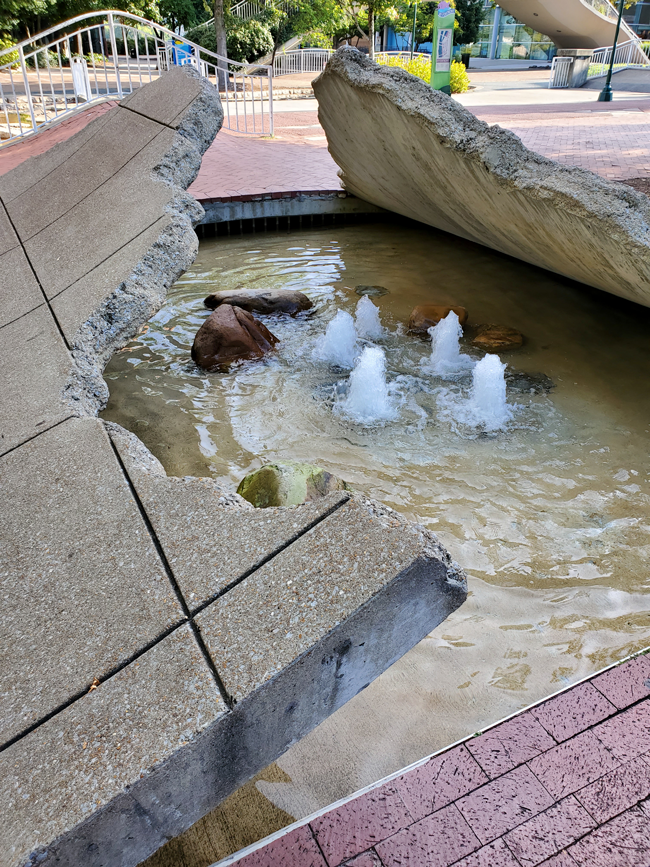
(145,679)
(34,367)
(76,304)
(416,151)
(16,274)
(123,138)
(91,592)
(98,747)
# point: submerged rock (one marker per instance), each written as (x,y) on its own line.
(372,291)
(261,300)
(288,484)
(425,316)
(497,338)
(230,334)
(528,383)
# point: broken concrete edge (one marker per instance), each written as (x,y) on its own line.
(137,298)
(260,845)
(137,458)
(177,792)
(500,151)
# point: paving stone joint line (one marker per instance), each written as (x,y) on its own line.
(33,270)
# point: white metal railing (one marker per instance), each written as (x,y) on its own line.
(382,56)
(560,72)
(628,54)
(603,7)
(301,60)
(109,54)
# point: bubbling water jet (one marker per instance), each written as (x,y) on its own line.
(368,400)
(339,343)
(367,320)
(446,359)
(487,404)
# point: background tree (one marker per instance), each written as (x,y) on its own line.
(469,14)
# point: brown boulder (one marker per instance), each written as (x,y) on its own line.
(497,338)
(261,300)
(228,335)
(425,316)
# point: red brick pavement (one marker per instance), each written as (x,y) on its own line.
(563,784)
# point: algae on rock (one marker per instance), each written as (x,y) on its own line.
(288,484)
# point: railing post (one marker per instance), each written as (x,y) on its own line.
(23,67)
(111,30)
(270,100)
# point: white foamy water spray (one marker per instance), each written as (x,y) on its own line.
(487,404)
(368,400)
(446,359)
(339,343)
(367,320)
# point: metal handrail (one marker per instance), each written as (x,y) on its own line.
(301,60)
(628,55)
(58,72)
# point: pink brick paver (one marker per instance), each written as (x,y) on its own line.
(578,795)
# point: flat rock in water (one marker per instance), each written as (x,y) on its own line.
(288,484)
(261,300)
(372,291)
(425,316)
(497,338)
(528,383)
(230,334)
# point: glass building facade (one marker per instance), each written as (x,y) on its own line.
(502,37)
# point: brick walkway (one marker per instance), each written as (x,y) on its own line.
(563,784)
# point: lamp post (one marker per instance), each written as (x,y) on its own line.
(606,94)
(415,15)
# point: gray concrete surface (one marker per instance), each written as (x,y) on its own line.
(156,654)
(417,152)
(623,81)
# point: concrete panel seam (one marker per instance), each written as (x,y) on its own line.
(45,429)
(159,122)
(110,256)
(269,557)
(172,578)
(22,316)
(33,270)
(82,692)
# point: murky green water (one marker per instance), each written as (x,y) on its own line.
(550,518)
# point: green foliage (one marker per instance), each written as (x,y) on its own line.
(12,57)
(247,40)
(459,79)
(421,67)
(94,59)
(469,14)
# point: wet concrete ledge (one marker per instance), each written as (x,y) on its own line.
(161,640)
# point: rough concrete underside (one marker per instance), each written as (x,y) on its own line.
(417,152)
(161,642)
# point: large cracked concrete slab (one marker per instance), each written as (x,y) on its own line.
(419,153)
(162,641)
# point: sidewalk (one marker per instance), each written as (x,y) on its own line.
(563,784)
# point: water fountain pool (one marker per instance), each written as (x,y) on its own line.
(549,516)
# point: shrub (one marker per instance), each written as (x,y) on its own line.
(421,67)
(11,57)
(459,79)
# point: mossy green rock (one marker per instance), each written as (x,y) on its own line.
(288,484)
